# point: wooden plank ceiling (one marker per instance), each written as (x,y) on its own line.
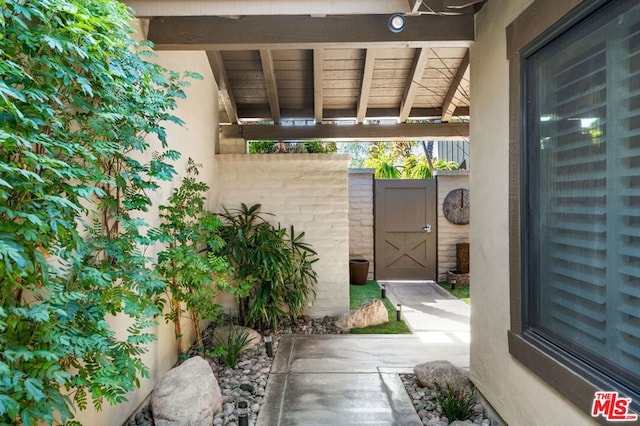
(282,69)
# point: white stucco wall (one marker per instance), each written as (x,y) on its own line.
(517,394)
(361,216)
(449,234)
(196,140)
(308,191)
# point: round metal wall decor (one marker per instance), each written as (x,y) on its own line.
(456,206)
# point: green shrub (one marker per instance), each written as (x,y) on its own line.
(262,147)
(77,104)
(273,267)
(186,227)
(231,347)
(457,404)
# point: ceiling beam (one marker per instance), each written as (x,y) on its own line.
(356,132)
(413,83)
(224,87)
(318,68)
(263,114)
(460,4)
(270,83)
(449,106)
(305,32)
(377,113)
(365,87)
(414,6)
(147,8)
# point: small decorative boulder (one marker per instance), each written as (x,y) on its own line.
(221,335)
(369,313)
(187,395)
(439,373)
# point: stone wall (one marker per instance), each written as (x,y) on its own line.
(361,216)
(449,234)
(309,191)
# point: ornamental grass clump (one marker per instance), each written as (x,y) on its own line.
(230,345)
(457,404)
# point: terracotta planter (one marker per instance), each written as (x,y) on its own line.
(358,271)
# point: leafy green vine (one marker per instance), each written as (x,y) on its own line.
(78,102)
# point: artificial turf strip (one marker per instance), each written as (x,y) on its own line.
(358,294)
(461,292)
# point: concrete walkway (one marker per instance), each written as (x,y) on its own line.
(353,379)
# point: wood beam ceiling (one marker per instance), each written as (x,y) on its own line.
(224,87)
(413,82)
(304,32)
(365,87)
(148,8)
(461,4)
(356,132)
(318,68)
(449,106)
(263,114)
(414,6)
(270,81)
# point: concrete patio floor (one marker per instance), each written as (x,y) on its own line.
(353,379)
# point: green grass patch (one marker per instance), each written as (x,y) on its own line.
(461,292)
(358,294)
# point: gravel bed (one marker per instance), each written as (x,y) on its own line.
(248,381)
(425,401)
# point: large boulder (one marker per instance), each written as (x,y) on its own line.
(187,395)
(369,313)
(222,334)
(440,373)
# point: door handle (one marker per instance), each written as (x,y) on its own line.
(427,228)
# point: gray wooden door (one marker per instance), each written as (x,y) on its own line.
(405,229)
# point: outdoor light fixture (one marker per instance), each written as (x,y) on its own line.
(269,345)
(383,291)
(399,313)
(243,411)
(396,22)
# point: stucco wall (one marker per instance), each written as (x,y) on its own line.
(519,396)
(309,191)
(196,140)
(449,234)
(361,216)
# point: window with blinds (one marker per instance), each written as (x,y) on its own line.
(582,186)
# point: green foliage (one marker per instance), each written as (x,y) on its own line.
(457,404)
(358,151)
(383,161)
(310,147)
(273,268)
(459,291)
(77,101)
(358,294)
(185,228)
(397,161)
(231,346)
(262,147)
(416,168)
(315,147)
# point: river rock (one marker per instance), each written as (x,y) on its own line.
(440,373)
(187,395)
(372,312)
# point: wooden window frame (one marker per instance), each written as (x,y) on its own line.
(541,22)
